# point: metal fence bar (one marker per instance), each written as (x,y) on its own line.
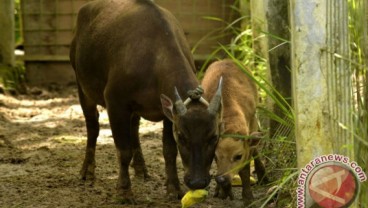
(57,25)
(338,77)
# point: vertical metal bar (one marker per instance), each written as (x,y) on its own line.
(194,11)
(348,73)
(329,56)
(330,64)
(57,31)
(40,27)
(72,13)
(338,76)
(338,90)
(180,11)
(223,10)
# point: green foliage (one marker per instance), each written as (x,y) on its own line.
(13,78)
(358,60)
(18,23)
(241,51)
(282,164)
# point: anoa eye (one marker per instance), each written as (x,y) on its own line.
(237,157)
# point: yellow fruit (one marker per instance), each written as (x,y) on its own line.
(237,181)
(193,197)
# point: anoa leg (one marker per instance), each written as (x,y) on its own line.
(170,152)
(91,118)
(138,163)
(120,122)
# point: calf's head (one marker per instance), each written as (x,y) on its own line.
(231,155)
(196,129)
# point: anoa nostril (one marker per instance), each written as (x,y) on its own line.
(197,183)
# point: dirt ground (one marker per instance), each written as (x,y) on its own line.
(42,143)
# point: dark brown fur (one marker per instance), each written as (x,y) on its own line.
(129,56)
(239,108)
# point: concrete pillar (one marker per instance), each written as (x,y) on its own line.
(321,78)
(308,39)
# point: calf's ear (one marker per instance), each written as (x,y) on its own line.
(167,107)
(255,137)
(222,127)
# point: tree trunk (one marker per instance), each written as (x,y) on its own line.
(245,12)
(7,33)
(270,19)
(279,56)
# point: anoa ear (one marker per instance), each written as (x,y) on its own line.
(167,107)
(222,127)
(255,137)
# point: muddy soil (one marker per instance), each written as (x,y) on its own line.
(42,143)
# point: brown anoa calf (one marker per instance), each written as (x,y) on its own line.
(239,100)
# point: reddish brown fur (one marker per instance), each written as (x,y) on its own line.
(238,108)
(239,96)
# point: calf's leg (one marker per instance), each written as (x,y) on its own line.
(247,192)
(259,167)
(223,188)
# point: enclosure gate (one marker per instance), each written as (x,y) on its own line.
(48,29)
